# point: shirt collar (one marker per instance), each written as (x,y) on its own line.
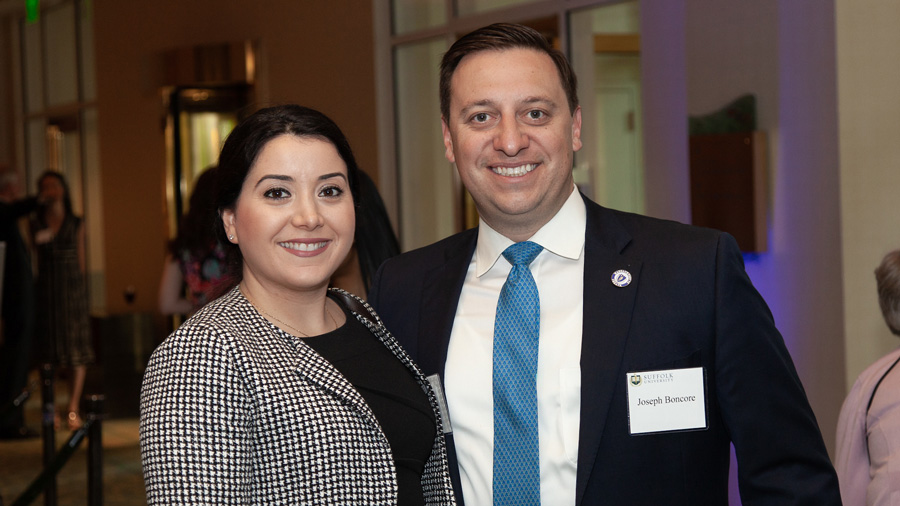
(563,235)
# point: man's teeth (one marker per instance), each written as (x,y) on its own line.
(521,170)
(303,246)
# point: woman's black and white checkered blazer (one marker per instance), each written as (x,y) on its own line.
(236,411)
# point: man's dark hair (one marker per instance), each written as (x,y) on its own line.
(498,37)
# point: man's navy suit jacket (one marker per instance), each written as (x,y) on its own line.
(690,304)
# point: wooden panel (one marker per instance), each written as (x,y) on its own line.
(728,186)
(209,64)
(617,43)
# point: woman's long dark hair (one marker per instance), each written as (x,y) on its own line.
(375,238)
(197,228)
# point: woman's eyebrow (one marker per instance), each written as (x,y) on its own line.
(277,177)
(331,175)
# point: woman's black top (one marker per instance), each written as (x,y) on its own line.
(392,392)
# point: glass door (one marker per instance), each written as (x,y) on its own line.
(605,52)
(199,120)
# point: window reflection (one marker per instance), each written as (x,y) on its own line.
(605,51)
(428,193)
(412,15)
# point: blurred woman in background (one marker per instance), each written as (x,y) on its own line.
(62,323)
(194,265)
(867,459)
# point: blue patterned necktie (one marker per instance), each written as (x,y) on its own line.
(517,479)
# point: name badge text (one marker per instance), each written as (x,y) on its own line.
(666,401)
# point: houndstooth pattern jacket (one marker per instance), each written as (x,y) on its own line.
(236,411)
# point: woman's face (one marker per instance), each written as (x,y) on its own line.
(51,189)
(294,218)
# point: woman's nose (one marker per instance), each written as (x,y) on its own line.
(307,215)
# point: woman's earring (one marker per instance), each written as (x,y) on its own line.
(230,237)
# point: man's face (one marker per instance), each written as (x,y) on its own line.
(512,137)
(9,186)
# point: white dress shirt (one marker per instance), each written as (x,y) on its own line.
(559,274)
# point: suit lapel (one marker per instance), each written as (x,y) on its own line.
(441,288)
(607,315)
(315,369)
(440,298)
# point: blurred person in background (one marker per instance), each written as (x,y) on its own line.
(375,241)
(868,433)
(195,260)
(17,329)
(62,326)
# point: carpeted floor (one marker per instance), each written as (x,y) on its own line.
(123,484)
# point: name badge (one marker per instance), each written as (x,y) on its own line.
(435,381)
(666,401)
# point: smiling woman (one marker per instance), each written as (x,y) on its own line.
(282,390)
(294,224)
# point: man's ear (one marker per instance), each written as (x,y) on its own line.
(448,141)
(576,129)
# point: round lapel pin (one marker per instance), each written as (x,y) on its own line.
(621,278)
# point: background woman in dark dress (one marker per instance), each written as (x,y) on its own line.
(62,323)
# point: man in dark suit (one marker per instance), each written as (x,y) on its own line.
(17,314)
(654,350)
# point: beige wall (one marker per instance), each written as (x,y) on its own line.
(315,52)
(868,77)
(12,149)
(7,115)
(664,95)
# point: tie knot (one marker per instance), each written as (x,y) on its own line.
(522,253)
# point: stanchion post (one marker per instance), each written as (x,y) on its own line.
(95,415)
(50,470)
(47,428)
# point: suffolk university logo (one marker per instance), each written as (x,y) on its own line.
(636,380)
